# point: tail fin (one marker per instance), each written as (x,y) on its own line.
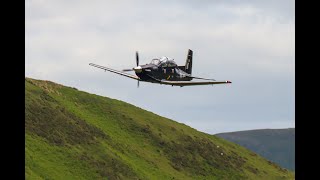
(188,67)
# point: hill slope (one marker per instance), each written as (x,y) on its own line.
(72,134)
(277,145)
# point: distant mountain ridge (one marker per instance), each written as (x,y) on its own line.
(277,145)
(71,134)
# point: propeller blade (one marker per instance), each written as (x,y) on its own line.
(127,70)
(137,58)
(138,84)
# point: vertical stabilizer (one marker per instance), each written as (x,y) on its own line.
(188,66)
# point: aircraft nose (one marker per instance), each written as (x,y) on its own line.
(138,69)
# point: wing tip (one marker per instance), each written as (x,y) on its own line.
(228,82)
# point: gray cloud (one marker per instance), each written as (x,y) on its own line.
(248,42)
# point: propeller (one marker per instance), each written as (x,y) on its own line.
(137,58)
(137,62)
(137,69)
(127,70)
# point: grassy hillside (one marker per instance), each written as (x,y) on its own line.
(72,134)
(277,145)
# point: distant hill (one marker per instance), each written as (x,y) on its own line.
(70,134)
(277,145)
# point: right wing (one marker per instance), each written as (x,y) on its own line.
(116,71)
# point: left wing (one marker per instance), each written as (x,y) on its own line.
(115,71)
(188,83)
(192,83)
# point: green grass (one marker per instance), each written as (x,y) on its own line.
(72,134)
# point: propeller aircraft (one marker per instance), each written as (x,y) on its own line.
(164,70)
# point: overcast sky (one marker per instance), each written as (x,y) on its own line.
(251,43)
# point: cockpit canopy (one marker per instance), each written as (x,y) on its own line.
(164,62)
(155,61)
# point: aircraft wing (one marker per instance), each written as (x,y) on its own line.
(188,83)
(192,83)
(116,71)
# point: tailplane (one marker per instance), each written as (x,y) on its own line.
(188,66)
